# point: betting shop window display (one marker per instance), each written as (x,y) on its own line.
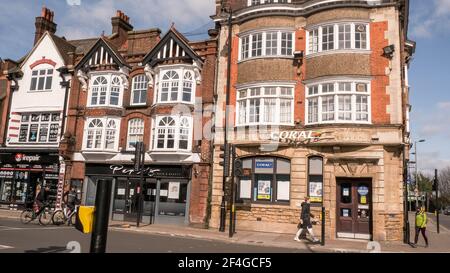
(315,179)
(265,180)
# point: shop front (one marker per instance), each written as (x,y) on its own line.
(165,192)
(21,175)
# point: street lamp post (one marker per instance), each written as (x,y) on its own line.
(416,173)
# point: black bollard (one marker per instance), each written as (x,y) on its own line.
(322,241)
(101,216)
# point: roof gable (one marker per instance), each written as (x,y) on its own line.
(61,54)
(102,53)
(173,46)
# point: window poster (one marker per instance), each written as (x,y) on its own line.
(33,132)
(23,133)
(315,191)
(283,190)
(163,193)
(264,190)
(245,189)
(174,190)
(54,128)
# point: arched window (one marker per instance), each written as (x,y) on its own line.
(135,132)
(102,134)
(169,86)
(111,129)
(267,180)
(184,134)
(99,91)
(139,90)
(115,91)
(187,86)
(166,133)
(172,133)
(94,134)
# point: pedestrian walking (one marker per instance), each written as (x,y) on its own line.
(305,221)
(421,225)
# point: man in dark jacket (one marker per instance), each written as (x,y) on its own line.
(42,197)
(305,220)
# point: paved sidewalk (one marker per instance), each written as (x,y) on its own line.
(438,242)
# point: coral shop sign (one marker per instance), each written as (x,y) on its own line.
(299,137)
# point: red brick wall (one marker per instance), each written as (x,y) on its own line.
(199,194)
(299,99)
(380,81)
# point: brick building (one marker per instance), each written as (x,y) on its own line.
(320,94)
(111,92)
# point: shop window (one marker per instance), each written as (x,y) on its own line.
(315,179)
(39,128)
(265,179)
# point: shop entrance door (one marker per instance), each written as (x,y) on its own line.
(354,208)
(131,203)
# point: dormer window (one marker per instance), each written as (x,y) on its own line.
(176,86)
(41,80)
(105,90)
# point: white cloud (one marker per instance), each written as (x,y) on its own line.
(444,105)
(428,18)
(92,18)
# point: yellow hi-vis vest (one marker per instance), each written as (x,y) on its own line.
(85,219)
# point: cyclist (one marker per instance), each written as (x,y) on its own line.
(71,199)
(43,197)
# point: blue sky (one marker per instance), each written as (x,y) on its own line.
(429,27)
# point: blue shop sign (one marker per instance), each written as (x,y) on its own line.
(264,164)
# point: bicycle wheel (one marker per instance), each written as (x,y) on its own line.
(45,218)
(26,216)
(58,218)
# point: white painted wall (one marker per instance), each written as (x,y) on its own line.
(24,100)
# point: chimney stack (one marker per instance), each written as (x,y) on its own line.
(121,23)
(44,23)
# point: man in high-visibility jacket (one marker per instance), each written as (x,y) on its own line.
(421,225)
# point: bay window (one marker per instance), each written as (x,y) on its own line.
(135,132)
(139,90)
(105,90)
(172,133)
(265,105)
(176,86)
(335,102)
(339,36)
(270,43)
(39,128)
(101,134)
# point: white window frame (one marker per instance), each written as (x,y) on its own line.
(336,93)
(40,124)
(46,76)
(134,134)
(105,121)
(261,98)
(138,80)
(154,136)
(251,34)
(319,29)
(181,70)
(109,77)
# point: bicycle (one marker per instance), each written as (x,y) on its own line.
(45,217)
(62,216)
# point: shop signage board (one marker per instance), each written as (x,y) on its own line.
(296,137)
(168,171)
